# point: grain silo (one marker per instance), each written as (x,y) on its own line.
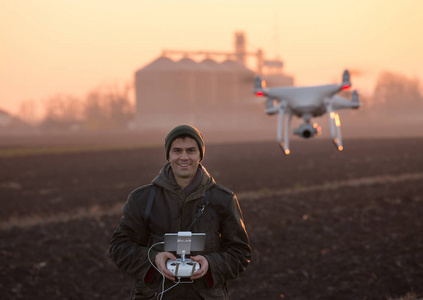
(207,82)
(185,81)
(165,93)
(202,92)
(153,84)
(240,79)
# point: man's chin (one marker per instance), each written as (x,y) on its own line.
(185,175)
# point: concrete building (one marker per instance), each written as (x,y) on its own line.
(5,119)
(172,92)
(206,93)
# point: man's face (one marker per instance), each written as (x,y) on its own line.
(184,158)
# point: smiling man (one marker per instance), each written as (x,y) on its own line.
(184,157)
(180,193)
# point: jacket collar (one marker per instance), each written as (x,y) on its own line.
(201,182)
(194,184)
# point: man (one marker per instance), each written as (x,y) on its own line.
(179,196)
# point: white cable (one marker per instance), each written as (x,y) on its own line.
(161,294)
(164,278)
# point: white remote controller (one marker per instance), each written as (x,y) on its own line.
(182,268)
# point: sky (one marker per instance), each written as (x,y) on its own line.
(50,47)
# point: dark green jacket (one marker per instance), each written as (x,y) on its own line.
(227,246)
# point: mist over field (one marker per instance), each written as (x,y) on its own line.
(323,224)
(107,116)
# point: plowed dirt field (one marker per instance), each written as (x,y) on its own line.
(322,224)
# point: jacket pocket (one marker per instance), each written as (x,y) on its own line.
(142,291)
(209,221)
(210,225)
(212,241)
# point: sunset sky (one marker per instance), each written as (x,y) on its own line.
(70,47)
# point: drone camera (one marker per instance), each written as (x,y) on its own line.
(306,130)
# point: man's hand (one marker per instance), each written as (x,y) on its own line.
(160,262)
(204,266)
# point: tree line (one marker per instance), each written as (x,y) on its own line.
(105,107)
(110,107)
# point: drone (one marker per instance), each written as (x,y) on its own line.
(307,102)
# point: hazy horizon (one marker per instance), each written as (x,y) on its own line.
(71,48)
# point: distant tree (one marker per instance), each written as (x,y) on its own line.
(62,112)
(396,90)
(28,111)
(105,107)
(121,109)
(95,113)
(108,108)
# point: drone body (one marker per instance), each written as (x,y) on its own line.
(305,103)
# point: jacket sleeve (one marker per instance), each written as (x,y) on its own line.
(234,253)
(129,244)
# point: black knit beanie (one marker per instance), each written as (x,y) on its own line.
(185,130)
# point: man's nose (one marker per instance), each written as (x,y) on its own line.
(184,155)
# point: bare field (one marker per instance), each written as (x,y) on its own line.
(323,224)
